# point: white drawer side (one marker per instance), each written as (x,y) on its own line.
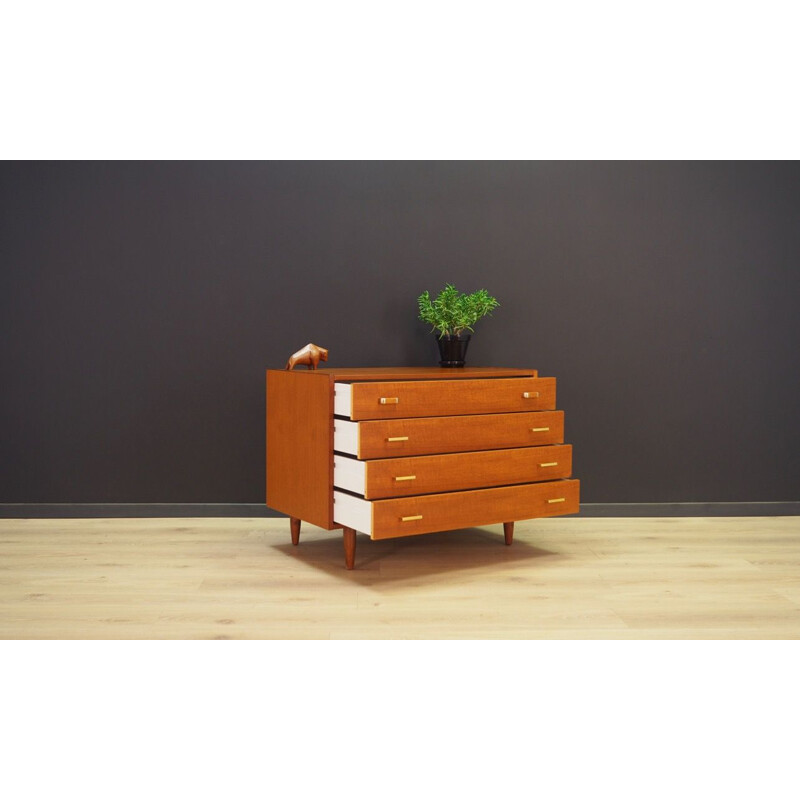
(352,512)
(343,399)
(345,436)
(349,473)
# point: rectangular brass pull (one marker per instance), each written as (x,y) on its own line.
(557,500)
(549,464)
(389,401)
(406,478)
(408,519)
(539,430)
(397,439)
(530,395)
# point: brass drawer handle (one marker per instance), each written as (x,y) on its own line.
(557,500)
(530,395)
(389,401)
(539,430)
(408,519)
(397,439)
(549,464)
(406,478)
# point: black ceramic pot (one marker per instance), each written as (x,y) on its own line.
(453,349)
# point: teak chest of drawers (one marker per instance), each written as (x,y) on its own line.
(398,452)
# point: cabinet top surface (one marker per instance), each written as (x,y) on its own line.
(414,373)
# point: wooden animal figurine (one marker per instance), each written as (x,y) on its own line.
(310,355)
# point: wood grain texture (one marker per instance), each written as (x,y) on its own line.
(564,578)
(508,532)
(349,541)
(441,512)
(434,435)
(472,470)
(451,397)
(300,445)
(422,373)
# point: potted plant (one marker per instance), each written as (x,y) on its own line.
(452,314)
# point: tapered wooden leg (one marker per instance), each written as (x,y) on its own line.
(349,547)
(295,525)
(508,531)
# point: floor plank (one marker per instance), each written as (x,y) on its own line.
(570,578)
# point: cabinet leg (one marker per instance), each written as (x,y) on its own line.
(349,547)
(508,531)
(295,526)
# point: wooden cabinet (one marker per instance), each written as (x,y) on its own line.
(398,452)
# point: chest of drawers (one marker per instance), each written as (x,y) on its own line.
(399,452)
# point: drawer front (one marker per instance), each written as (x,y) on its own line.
(399,399)
(401,477)
(414,437)
(407,516)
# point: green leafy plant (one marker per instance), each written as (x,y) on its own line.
(453,312)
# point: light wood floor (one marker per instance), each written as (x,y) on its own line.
(666,578)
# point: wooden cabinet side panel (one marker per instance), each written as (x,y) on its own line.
(300,446)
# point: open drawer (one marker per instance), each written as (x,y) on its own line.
(407,516)
(396,399)
(400,477)
(416,437)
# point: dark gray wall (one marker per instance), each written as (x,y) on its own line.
(142,302)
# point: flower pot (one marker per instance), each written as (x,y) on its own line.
(452,349)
